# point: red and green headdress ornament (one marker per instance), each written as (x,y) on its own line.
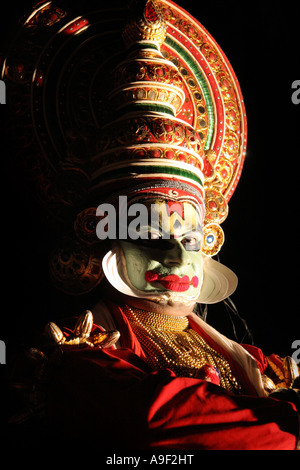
(134,100)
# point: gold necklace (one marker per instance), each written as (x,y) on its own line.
(168,342)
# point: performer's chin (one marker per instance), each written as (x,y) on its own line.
(173,299)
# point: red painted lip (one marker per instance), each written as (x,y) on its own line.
(172,281)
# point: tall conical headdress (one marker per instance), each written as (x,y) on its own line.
(146,106)
(146,149)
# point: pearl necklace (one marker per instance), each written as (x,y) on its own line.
(168,342)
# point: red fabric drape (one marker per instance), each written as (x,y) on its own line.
(112,395)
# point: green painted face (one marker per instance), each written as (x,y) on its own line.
(170,259)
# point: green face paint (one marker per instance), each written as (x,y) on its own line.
(164,263)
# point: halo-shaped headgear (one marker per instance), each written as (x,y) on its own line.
(149,106)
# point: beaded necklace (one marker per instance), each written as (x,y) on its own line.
(168,342)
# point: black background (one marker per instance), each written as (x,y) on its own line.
(261,41)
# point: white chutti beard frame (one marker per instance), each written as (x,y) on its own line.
(219,282)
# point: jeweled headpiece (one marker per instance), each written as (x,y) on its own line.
(142,107)
(145,149)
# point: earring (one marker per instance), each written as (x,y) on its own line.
(213,239)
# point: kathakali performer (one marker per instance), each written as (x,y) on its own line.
(139,134)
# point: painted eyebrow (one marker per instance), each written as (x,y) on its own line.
(185,234)
(148,227)
(192,232)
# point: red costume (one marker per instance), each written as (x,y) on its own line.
(157,115)
(113,395)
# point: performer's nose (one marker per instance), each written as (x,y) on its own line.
(176,254)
